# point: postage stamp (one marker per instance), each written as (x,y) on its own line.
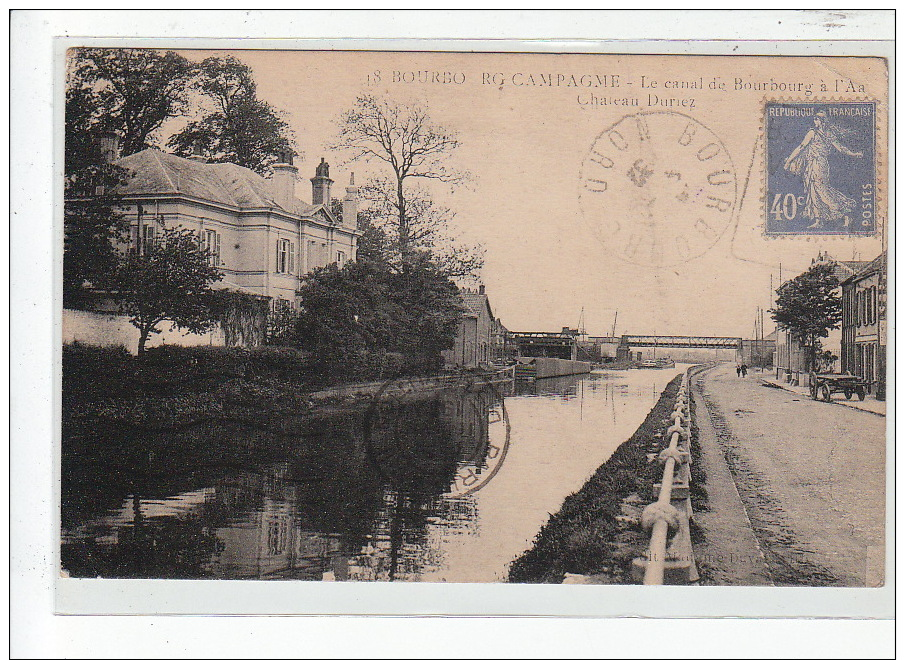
(821,169)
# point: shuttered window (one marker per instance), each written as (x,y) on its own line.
(285,256)
(209,240)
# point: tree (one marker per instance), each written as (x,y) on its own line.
(405,140)
(168,281)
(92,223)
(365,308)
(809,306)
(240,128)
(427,229)
(131,91)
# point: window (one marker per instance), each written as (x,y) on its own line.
(340,258)
(146,238)
(285,256)
(873,304)
(210,241)
(868,304)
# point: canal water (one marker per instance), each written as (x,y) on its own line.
(444,486)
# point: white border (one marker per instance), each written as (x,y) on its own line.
(33,513)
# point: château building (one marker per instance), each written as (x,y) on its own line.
(262,237)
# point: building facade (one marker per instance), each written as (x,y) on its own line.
(475,341)
(261,236)
(864,325)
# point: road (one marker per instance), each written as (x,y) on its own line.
(810,478)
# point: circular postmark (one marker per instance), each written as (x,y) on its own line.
(473,420)
(658,188)
(485,461)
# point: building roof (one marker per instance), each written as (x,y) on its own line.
(869,268)
(160,173)
(845,269)
(475,301)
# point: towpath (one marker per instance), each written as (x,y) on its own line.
(809,476)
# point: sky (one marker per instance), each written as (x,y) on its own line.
(530,126)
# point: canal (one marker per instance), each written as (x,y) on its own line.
(443,486)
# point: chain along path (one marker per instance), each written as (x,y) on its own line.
(809,480)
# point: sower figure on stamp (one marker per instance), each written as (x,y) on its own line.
(810,160)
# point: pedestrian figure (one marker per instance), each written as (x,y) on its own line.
(744,371)
(738,370)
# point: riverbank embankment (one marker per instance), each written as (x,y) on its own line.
(176,386)
(596,531)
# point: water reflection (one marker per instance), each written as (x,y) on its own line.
(395,491)
(350,499)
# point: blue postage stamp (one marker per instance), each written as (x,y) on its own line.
(821,174)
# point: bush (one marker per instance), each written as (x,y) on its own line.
(220,363)
(91,370)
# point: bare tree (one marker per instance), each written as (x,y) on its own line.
(427,228)
(405,139)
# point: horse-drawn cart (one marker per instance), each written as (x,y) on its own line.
(824,385)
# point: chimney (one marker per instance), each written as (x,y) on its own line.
(320,184)
(350,204)
(109,146)
(284,176)
(481,289)
(197,152)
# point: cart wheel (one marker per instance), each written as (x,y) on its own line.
(848,394)
(814,391)
(825,391)
(860,394)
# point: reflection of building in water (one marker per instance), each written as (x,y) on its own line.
(269,542)
(565,386)
(468,418)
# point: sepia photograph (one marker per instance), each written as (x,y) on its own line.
(556,318)
(543,333)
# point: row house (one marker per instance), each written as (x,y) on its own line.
(261,236)
(864,325)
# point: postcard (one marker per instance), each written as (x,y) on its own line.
(589,322)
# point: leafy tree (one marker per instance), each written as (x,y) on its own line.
(239,127)
(809,306)
(413,148)
(132,91)
(92,222)
(367,308)
(168,281)
(349,309)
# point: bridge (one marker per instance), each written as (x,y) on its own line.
(562,345)
(673,341)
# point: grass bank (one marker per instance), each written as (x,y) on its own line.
(596,530)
